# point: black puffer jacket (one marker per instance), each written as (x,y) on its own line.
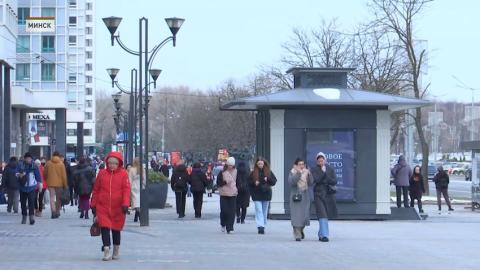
(262,192)
(9,179)
(198,180)
(180,179)
(83,179)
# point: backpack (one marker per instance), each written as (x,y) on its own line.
(443,182)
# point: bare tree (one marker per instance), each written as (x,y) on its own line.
(398,18)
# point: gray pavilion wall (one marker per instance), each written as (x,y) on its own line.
(365,123)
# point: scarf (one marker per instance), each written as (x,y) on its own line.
(302,184)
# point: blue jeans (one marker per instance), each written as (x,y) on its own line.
(261,212)
(323,227)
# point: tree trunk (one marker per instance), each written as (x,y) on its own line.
(423,141)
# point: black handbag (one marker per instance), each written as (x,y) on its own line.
(331,189)
(297,197)
(23,180)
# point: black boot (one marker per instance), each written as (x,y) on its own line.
(32,220)
(81,214)
(86,214)
(238,220)
(24,219)
(137,214)
(261,230)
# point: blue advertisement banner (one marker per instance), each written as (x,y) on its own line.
(338,146)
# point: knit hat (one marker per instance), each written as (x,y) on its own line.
(28,155)
(321,154)
(231,161)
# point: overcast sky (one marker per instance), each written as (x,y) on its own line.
(223,40)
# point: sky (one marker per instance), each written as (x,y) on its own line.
(222,40)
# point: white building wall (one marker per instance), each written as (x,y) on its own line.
(277,153)
(383,162)
(8,30)
(74,59)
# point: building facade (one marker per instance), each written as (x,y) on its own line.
(59,62)
(8,37)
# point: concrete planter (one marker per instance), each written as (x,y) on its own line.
(157,194)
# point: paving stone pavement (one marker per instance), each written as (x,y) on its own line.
(446,241)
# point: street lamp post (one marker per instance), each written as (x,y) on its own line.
(132,123)
(174,24)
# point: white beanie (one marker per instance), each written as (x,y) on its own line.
(321,154)
(231,161)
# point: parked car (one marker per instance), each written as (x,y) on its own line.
(432,170)
(459,169)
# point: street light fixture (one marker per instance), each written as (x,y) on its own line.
(145,57)
(116,97)
(112,72)
(174,24)
(112,24)
(155,73)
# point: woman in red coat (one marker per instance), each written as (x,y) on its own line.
(110,201)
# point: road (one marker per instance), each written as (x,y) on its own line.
(458,188)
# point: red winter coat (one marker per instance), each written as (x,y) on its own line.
(111,192)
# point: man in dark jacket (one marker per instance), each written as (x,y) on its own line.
(30,183)
(164,168)
(10,183)
(324,182)
(401,173)
(441,180)
(179,181)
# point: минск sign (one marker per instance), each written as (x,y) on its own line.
(40,24)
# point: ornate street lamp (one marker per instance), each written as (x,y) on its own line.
(145,57)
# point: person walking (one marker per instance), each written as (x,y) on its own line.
(110,201)
(261,181)
(164,168)
(69,168)
(134,176)
(11,184)
(30,183)
(300,179)
(56,176)
(416,188)
(209,176)
(324,189)
(83,178)
(441,180)
(243,197)
(179,183)
(401,173)
(226,181)
(39,206)
(198,182)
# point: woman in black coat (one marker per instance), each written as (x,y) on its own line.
(179,183)
(324,189)
(416,188)
(83,179)
(243,197)
(11,184)
(198,182)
